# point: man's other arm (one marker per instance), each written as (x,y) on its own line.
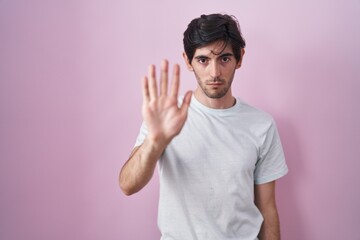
(265,201)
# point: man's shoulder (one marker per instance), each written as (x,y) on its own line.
(254,112)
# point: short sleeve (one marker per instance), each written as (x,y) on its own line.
(271,163)
(141,136)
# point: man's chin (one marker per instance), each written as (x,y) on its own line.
(215,95)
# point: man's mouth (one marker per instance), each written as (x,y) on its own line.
(215,83)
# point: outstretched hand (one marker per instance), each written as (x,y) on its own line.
(161,113)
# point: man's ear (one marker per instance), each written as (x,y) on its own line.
(242,53)
(187,62)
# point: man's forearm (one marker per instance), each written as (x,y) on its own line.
(139,169)
(270,229)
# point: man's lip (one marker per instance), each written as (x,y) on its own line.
(215,83)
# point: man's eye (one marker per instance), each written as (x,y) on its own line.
(202,60)
(225,59)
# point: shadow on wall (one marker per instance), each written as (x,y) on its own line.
(292,222)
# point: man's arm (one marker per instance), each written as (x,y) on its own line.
(164,120)
(265,201)
(139,169)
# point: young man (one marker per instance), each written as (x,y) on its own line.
(218,156)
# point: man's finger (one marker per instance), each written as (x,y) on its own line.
(164,77)
(175,81)
(145,90)
(152,83)
(186,103)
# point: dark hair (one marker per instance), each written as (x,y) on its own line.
(210,28)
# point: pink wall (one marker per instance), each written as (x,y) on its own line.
(70,110)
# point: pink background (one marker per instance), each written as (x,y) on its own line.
(70,104)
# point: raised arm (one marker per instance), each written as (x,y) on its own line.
(164,120)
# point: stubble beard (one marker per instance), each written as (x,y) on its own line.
(219,93)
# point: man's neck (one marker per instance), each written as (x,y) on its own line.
(224,102)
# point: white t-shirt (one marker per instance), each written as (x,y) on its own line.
(207,173)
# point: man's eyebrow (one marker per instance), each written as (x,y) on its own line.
(220,55)
(227,55)
(201,56)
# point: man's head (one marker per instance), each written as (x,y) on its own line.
(211,28)
(214,49)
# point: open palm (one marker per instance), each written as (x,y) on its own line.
(162,115)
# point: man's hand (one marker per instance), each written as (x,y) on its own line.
(163,117)
(164,120)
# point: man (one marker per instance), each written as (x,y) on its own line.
(218,156)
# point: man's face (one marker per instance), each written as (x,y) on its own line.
(214,68)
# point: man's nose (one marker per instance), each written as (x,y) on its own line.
(215,70)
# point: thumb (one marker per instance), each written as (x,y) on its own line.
(186,102)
